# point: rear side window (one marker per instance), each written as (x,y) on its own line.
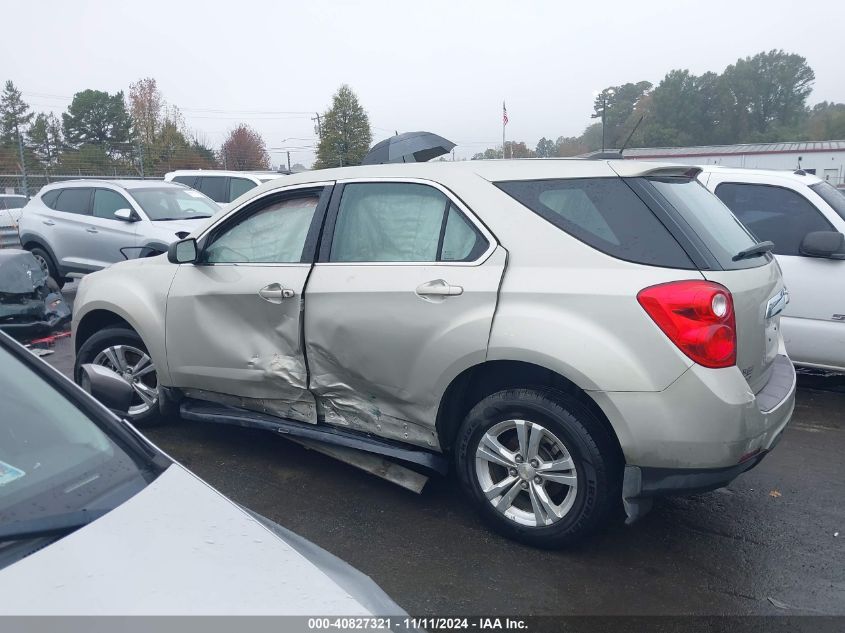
(214,187)
(50,197)
(402,222)
(603,213)
(239,186)
(773,213)
(190,181)
(76,200)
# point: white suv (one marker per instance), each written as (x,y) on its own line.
(221,186)
(804,217)
(81,226)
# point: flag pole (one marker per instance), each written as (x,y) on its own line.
(504,109)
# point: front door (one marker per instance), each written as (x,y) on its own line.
(401,301)
(233,325)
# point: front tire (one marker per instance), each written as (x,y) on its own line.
(122,350)
(538,466)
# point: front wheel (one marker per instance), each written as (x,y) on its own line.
(538,466)
(122,350)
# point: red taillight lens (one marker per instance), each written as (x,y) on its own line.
(697,316)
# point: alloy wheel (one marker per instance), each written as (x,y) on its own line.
(45,266)
(137,369)
(526,472)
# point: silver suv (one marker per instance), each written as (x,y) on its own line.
(566,332)
(81,226)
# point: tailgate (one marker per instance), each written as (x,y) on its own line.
(758,300)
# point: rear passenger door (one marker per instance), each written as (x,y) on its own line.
(400,301)
(816,285)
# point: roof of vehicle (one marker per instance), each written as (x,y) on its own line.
(492,170)
(123,183)
(798,176)
(263,175)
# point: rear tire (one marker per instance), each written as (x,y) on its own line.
(47,265)
(556,478)
(122,349)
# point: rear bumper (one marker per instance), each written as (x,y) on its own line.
(698,434)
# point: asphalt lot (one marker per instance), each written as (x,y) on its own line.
(773,542)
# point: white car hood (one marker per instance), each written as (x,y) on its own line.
(177,547)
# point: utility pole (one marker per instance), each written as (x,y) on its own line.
(319,125)
(23,163)
(141,158)
(288,161)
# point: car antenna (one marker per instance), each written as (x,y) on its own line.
(627,140)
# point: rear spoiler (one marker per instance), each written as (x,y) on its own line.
(681,171)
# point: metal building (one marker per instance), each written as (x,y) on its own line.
(825,159)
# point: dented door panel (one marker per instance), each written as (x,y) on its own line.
(225,338)
(381,354)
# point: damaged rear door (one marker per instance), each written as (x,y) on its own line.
(401,300)
(234,318)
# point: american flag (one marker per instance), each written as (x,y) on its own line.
(504,114)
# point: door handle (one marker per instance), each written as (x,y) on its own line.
(91,229)
(48,222)
(274,293)
(439,288)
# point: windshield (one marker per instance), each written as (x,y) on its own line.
(174,203)
(713,222)
(54,459)
(833,196)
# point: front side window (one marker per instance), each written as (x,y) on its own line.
(214,187)
(773,213)
(106,202)
(173,203)
(275,233)
(603,213)
(401,222)
(833,196)
(239,186)
(76,200)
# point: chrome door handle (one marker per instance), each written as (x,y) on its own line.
(48,222)
(439,288)
(274,293)
(91,229)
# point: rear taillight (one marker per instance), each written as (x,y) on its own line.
(697,316)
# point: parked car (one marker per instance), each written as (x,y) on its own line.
(30,303)
(566,332)
(222,186)
(10,212)
(12,201)
(95,520)
(804,217)
(81,226)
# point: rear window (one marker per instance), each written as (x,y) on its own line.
(14,202)
(189,181)
(722,233)
(833,196)
(604,213)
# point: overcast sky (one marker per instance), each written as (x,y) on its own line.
(431,65)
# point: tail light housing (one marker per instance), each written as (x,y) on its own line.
(697,316)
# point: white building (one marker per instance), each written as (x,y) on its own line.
(825,159)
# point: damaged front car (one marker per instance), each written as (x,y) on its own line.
(30,302)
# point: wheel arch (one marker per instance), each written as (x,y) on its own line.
(479,381)
(96,320)
(30,241)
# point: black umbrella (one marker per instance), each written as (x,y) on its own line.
(410,147)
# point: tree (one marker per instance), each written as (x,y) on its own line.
(825,121)
(518,149)
(346,135)
(146,105)
(97,118)
(45,137)
(545,148)
(14,115)
(244,149)
(617,103)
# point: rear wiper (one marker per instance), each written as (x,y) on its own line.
(53,525)
(753,251)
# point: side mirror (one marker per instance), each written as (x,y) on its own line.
(830,244)
(107,386)
(127,215)
(183,252)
